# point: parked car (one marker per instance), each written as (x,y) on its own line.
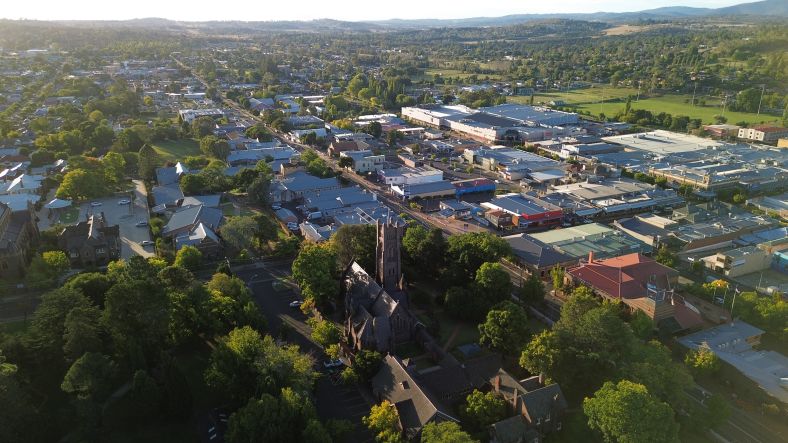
(293,226)
(141,223)
(125,201)
(94,204)
(146,243)
(276,206)
(331,364)
(296,303)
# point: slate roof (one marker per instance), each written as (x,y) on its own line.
(415,405)
(167,194)
(535,253)
(196,236)
(210,201)
(191,216)
(540,402)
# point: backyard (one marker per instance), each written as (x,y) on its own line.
(174,150)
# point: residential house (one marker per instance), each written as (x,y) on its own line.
(202,238)
(184,220)
(541,406)
(537,257)
(91,242)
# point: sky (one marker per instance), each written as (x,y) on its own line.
(353,10)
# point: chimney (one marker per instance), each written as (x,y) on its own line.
(590,256)
(497,383)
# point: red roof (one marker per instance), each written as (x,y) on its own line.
(768,128)
(625,276)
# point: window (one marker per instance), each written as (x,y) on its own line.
(547,418)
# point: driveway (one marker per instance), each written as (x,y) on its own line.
(125,216)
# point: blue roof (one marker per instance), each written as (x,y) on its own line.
(191,216)
(168,194)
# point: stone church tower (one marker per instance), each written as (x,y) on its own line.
(388,269)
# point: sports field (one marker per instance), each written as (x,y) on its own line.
(611,100)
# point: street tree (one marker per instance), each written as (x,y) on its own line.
(483,409)
(532,290)
(702,362)
(355,242)
(239,232)
(383,420)
(424,250)
(315,272)
(445,432)
(188,257)
(627,413)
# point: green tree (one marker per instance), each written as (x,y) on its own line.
(506,328)
(239,232)
(702,362)
(212,146)
(557,275)
(188,257)
(642,325)
(494,283)
(148,162)
(114,167)
(82,332)
(345,162)
(47,330)
(355,242)
(483,409)
(652,366)
(445,432)
(383,420)
(424,250)
(20,419)
(79,184)
(288,417)
(194,184)
(325,332)
(367,363)
(627,413)
(89,378)
(315,272)
(665,257)
(467,252)
(532,290)
(93,285)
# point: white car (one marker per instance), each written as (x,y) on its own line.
(293,226)
(146,243)
(296,303)
(141,223)
(276,206)
(94,204)
(125,201)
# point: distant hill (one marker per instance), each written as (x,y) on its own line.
(765,8)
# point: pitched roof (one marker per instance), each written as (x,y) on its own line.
(625,276)
(416,406)
(534,252)
(540,402)
(191,216)
(211,201)
(512,430)
(196,236)
(167,194)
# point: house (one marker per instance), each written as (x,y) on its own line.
(541,406)
(299,184)
(202,238)
(91,242)
(169,175)
(416,407)
(18,233)
(167,195)
(22,184)
(376,311)
(642,284)
(209,201)
(184,220)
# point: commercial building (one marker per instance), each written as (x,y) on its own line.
(364,161)
(742,261)
(299,184)
(763,133)
(649,228)
(663,143)
(538,257)
(579,241)
(512,164)
(473,186)
(404,175)
(443,188)
(722,131)
(777,204)
(620,197)
(527,211)
(189,115)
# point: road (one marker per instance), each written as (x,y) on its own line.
(741,426)
(333,401)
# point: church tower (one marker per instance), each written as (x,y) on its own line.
(388,270)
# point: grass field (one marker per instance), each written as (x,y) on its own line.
(69,216)
(174,150)
(429,73)
(611,100)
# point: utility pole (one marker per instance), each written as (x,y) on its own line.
(694,90)
(735,291)
(763,89)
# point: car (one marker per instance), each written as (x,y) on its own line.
(296,303)
(146,243)
(125,201)
(276,206)
(293,227)
(141,223)
(331,364)
(94,204)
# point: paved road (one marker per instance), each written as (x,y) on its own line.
(332,401)
(741,427)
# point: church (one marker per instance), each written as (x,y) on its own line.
(376,310)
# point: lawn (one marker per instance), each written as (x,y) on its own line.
(430,72)
(69,216)
(611,100)
(174,150)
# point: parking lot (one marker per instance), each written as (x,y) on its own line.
(126,217)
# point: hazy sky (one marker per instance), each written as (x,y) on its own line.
(253,10)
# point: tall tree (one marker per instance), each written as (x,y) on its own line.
(627,413)
(239,232)
(424,250)
(355,242)
(148,162)
(383,420)
(445,432)
(315,272)
(506,328)
(483,409)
